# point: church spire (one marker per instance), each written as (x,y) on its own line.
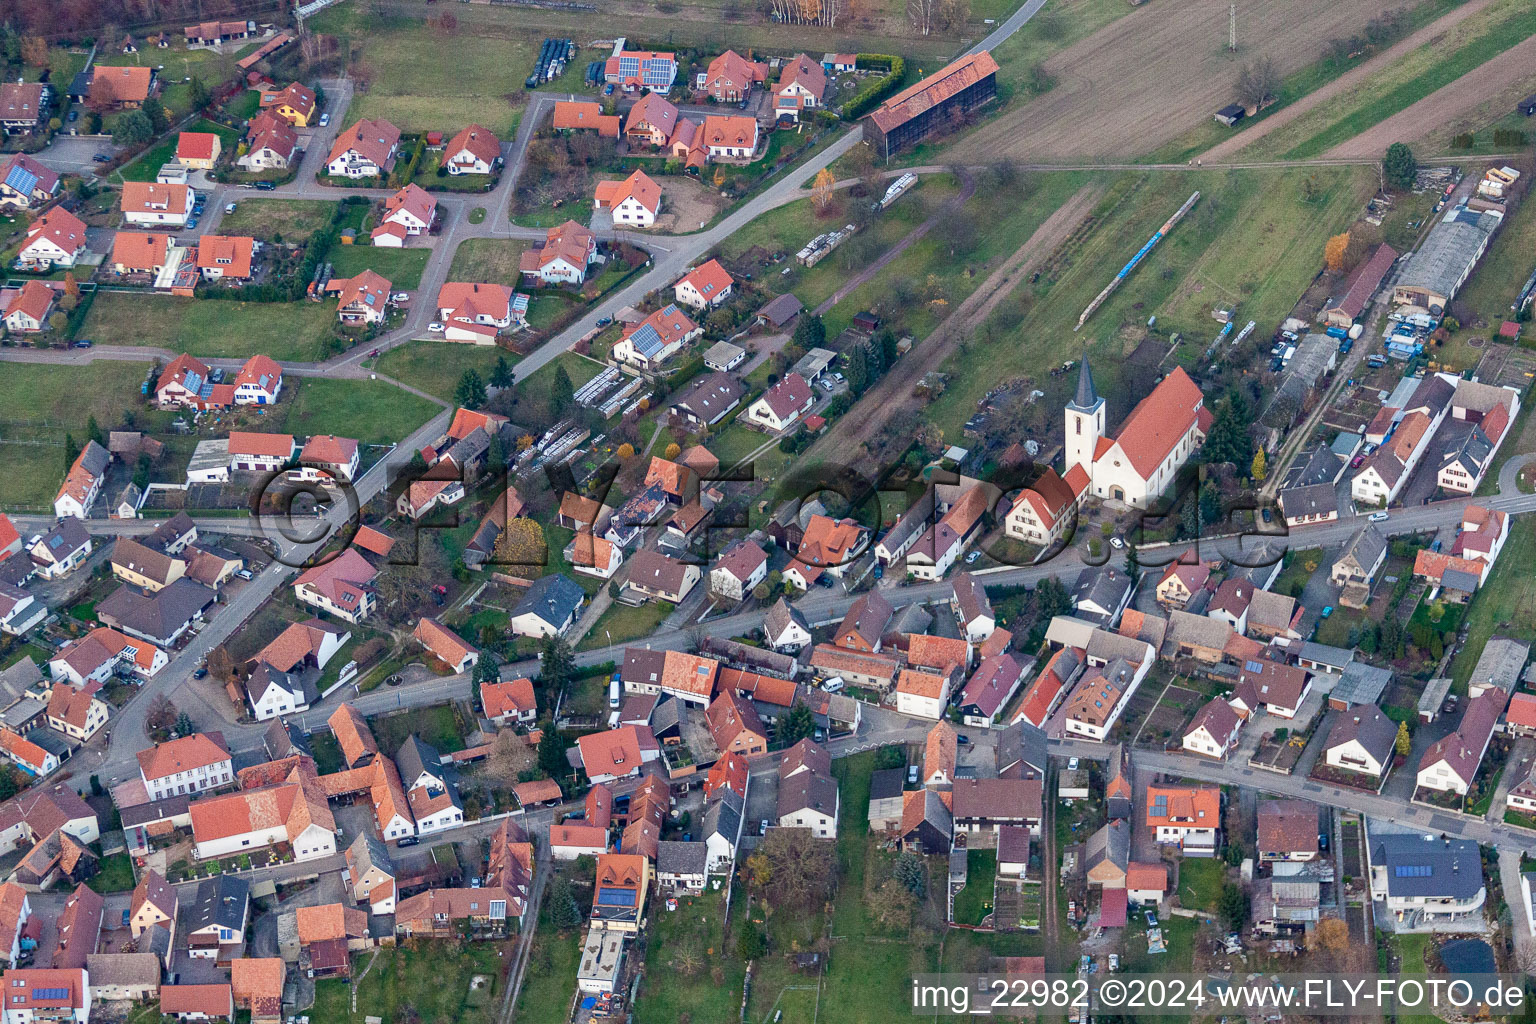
(1086,397)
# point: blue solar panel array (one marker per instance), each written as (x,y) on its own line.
(646,341)
(616,897)
(50,993)
(21,179)
(1413,871)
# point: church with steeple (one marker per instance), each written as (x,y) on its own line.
(1161,433)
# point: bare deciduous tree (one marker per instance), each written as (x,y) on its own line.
(1257,83)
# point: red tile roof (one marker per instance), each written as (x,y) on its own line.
(371,139)
(481,143)
(1159,422)
(442,641)
(196,145)
(933,90)
(188,753)
(638,186)
(229,254)
(511,697)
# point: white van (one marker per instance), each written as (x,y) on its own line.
(833,685)
(613,692)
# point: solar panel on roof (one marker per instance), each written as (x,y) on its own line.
(1412,871)
(21,179)
(50,993)
(616,897)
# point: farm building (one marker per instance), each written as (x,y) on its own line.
(917,111)
(1436,271)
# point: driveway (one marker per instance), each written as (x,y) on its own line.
(72,154)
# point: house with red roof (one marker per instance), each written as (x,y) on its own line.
(568,250)
(1155,440)
(198,151)
(633,70)
(49,996)
(363,299)
(1041,513)
(990,687)
(328,456)
(1055,680)
(475,151)
(187,765)
(139,252)
(1185,816)
(449,648)
(342,586)
(56,239)
(584,115)
(1180,582)
(27,312)
(410,211)
(509,703)
(730,77)
(618,753)
(254,452)
(728,138)
(632,202)
(225,257)
(271,144)
(782,405)
(704,287)
(294,103)
(802,84)
(476,313)
(366,150)
(656,339)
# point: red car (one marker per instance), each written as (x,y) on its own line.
(1356,463)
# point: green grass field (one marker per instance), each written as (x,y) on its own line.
(1462,48)
(1253,240)
(422,79)
(1200,880)
(492,260)
(436,366)
(1505,605)
(621,624)
(147,166)
(974,902)
(266,219)
(548,989)
(402,267)
(436,725)
(431,983)
(116,875)
(285,331)
(39,404)
(372,411)
(1502,272)
(789,227)
(670,993)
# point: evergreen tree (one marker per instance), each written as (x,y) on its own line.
(552,753)
(796,725)
(810,332)
(858,370)
(564,913)
(1399,167)
(556,662)
(93,431)
(888,347)
(184,725)
(487,668)
(1404,741)
(198,93)
(1260,465)
(501,374)
(562,393)
(1210,504)
(71,451)
(153,109)
(470,393)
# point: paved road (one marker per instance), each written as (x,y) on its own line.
(127,728)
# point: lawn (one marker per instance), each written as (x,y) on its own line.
(116,875)
(579,368)
(1200,881)
(1492,289)
(422,980)
(1438,63)
(621,624)
(148,165)
(402,267)
(734,442)
(1506,604)
(436,366)
(286,331)
(437,725)
(492,260)
(328,756)
(1252,240)
(269,219)
(786,229)
(424,79)
(550,986)
(40,405)
(671,994)
(372,411)
(974,902)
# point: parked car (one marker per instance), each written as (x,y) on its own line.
(970,559)
(911,774)
(399,297)
(84,343)
(266,186)
(200,673)
(762,827)
(245,574)
(1327,610)
(1071,764)
(325,119)
(229,207)
(102,158)
(833,685)
(1116,543)
(962,739)
(1269,516)
(604,321)
(1358,459)
(74,115)
(1449,707)
(435,327)
(408,841)
(1378,517)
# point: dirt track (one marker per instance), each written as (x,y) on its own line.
(1348,80)
(1148,76)
(843,444)
(1513,70)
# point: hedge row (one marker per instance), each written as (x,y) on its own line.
(871,95)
